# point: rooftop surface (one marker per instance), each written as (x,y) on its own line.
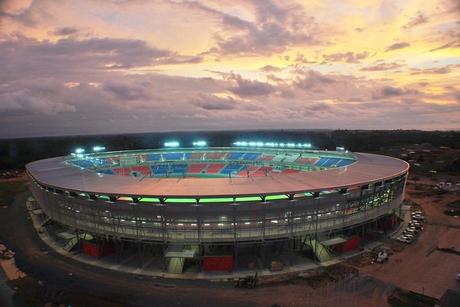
(368,168)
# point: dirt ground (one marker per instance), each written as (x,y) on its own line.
(421,267)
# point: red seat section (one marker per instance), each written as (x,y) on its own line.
(215,168)
(144,170)
(124,171)
(196,168)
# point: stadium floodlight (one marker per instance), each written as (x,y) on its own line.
(260,144)
(200,144)
(290,145)
(171,144)
(252,144)
(79,151)
(341,148)
(98,148)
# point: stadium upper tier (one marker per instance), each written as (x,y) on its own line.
(209,163)
(213,172)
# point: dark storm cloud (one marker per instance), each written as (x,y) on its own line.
(348,57)
(419,19)
(246,87)
(396,46)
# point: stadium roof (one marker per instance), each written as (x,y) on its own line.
(367,169)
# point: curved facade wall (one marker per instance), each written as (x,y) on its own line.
(231,222)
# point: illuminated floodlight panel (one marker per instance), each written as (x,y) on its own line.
(171,144)
(98,148)
(200,144)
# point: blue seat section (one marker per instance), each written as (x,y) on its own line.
(106,171)
(173,156)
(160,170)
(83,163)
(251,156)
(235,156)
(231,169)
(345,162)
(153,157)
(179,168)
(100,162)
(187,155)
(328,162)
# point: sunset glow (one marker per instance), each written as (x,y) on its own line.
(129,65)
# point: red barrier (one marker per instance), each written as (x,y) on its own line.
(92,249)
(352,243)
(218,263)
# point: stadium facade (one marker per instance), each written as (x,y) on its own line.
(221,208)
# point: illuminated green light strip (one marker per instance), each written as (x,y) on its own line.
(180,200)
(149,200)
(216,200)
(276,197)
(248,198)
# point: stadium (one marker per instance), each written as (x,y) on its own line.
(250,206)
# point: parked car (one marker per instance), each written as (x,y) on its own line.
(405,240)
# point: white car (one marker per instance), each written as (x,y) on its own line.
(405,240)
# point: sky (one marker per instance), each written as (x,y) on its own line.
(121,66)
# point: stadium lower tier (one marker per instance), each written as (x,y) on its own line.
(250,221)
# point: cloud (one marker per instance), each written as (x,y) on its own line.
(24,102)
(270,68)
(64,31)
(396,46)
(381,66)
(245,88)
(433,70)
(419,19)
(313,79)
(214,103)
(14,7)
(393,91)
(452,44)
(275,28)
(125,91)
(348,57)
